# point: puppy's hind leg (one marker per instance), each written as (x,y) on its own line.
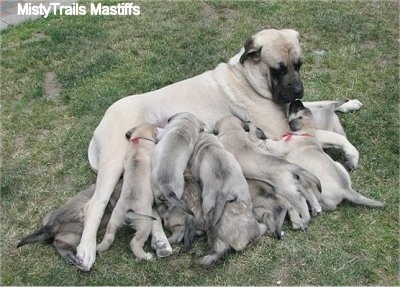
(159,241)
(116,220)
(143,230)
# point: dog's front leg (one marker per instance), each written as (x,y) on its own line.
(333,140)
(107,179)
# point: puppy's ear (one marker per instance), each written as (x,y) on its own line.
(250,52)
(260,134)
(246,126)
(129,133)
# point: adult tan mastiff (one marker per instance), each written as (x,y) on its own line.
(257,83)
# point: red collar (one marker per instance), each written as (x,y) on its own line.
(136,140)
(287,137)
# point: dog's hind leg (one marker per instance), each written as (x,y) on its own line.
(143,230)
(159,241)
(117,219)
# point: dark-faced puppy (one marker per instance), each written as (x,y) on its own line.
(178,222)
(63,227)
(302,148)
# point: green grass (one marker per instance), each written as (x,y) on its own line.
(98,60)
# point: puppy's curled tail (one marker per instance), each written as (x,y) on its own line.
(43,234)
(355,197)
(220,249)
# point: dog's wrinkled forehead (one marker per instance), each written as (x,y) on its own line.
(280,45)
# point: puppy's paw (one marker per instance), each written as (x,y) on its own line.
(352,159)
(349,106)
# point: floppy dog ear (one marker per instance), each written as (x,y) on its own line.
(260,134)
(250,51)
(246,126)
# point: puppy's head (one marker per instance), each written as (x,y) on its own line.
(186,117)
(271,61)
(229,123)
(256,134)
(300,117)
(145,130)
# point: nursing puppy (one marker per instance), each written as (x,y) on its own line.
(171,156)
(301,147)
(261,79)
(287,179)
(179,223)
(136,194)
(226,201)
(269,207)
(63,227)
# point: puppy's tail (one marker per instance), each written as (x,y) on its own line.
(220,249)
(132,215)
(355,197)
(43,234)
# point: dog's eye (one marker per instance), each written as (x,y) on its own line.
(275,73)
(297,66)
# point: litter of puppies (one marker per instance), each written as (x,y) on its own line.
(232,185)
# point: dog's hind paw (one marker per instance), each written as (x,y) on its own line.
(349,106)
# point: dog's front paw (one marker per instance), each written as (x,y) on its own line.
(349,106)
(163,249)
(352,157)
(85,256)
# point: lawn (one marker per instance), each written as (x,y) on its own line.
(59,75)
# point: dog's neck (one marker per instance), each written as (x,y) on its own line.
(136,140)
(288,136)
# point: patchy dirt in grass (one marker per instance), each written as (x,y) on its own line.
(52,87)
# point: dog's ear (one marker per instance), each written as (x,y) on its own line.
(129,133)
(260,134)
(250,52)
(246,126)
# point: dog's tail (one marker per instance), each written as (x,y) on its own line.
(43,234)
(132,215)
(357,198)
(219,249)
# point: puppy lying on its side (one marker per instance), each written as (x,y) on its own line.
(63,227)
(269,207)
(302,148)
(170,158)
(287,178)
(136,200)
(227,205)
